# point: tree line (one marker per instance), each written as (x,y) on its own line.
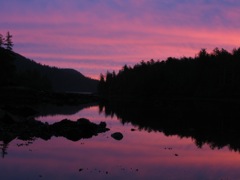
(6,42)
(11,76)
(215,74)
(18,71)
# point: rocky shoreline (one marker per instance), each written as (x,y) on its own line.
(13,126)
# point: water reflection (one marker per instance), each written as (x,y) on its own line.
(143,153)
(48,110)
(3,147)
(207,122)
(20,123)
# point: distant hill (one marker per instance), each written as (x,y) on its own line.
(33,74)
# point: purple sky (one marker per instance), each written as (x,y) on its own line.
(93,36)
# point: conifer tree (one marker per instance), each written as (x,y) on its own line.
(8,41)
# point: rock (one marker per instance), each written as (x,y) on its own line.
(117,136)
(63,124)
(75,130)
(103,125)
(83,121)
(31,128)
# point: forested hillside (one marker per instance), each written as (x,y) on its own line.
(215,74)
(16,70)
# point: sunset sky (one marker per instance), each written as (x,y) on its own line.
(93,36)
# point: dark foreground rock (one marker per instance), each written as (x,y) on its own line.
(74,131)
(117,135)
(10,128)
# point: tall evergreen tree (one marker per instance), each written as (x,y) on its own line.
(8,41)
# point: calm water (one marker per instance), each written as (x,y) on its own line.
(139,155)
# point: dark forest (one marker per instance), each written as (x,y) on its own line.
(207,75)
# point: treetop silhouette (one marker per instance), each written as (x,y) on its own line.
(215,74)
(6,42)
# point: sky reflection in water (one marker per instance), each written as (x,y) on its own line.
(139,155)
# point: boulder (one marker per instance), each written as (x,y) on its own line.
(117,136)
(29,129)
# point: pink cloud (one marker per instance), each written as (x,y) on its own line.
(103,33)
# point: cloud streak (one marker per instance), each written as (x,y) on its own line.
(118,32)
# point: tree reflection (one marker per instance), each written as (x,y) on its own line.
(31,130)
(207,122)
(3,147)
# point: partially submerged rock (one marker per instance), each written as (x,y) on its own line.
(82,128)
(30,129)
(117,136)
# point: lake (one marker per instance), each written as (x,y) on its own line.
(141,154)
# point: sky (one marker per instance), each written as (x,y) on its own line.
(96,36)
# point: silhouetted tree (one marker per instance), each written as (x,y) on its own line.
(215,74)
(8,41)
(102,85)
(203,54)
(236,53)
(4,147)
(7,68)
